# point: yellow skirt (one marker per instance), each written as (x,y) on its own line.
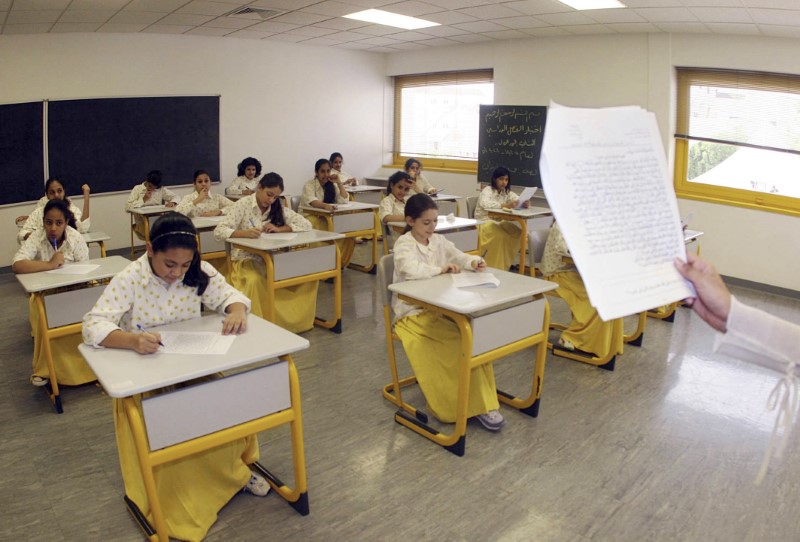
(501,242)
(191,490)
(432,344)
(71,368)
(295,306)
(346,245)
(138,228)
(586,331)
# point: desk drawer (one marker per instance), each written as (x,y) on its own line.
(202,409)
(506,326)
(296,263)
(354,222)
(464,240)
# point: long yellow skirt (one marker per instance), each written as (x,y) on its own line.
(501,242)
(346,245)
(191,490)
(432,344)
(586,331)
(138,227)
(295,306)
(71,368)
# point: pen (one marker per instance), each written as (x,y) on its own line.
(143,330)
(55,244)
(483,255)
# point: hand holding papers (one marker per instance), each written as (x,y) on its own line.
(605,176)
(526,195)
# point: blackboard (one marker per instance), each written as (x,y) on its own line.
(111,143)
(21,152)
(511,136)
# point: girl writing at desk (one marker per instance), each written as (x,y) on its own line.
(202,202)
(323,192)
(53,244)
(56,189)
(168,284)
(430,341)
(501,238)
(248,218)
(150,192)
(248,171)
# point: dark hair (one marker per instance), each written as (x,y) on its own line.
(275,215)
(328,188)
(154,178)
(198,173)
(416,205)
(52,180)
(334,156)
(174,230)
(498,172)
(396,177)
(249,161)
(63,206)
(410,162)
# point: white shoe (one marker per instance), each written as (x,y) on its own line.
(492,420)
(257,485)
(39,381)
(566,345)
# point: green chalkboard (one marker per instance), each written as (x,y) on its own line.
(511,136)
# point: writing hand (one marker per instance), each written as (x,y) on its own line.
(479,265)
(247,191)
(251,233)
(146,343)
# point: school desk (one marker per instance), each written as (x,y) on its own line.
(145,212)
(667,312)
(205,225)
(240,404)
(365,193)
(61,301)
(309,256)
(353,219)
(98,237)
(450,199)
(493,322)
(462,232)
(521,217)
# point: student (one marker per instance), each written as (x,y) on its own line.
(323,192)
(168,284)
(586,332)
(430,341)
(392,207)
(419,184)
(249,217)
(52,245)
(202,202)
(149,193)
(336,161)
(55,189)
(248,171)
(499,238)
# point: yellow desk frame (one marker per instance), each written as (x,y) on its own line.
(371,234)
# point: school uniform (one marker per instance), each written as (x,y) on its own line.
(313,191)
(295,306)
(160,196)
(343,175)
(240,184)
(35,220)
(432,342)
(390,205)
(70,366)
(214,202)
(586,330)
(423,185)
(194,489)
(500,238)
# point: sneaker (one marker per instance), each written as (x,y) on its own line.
(566,345)
(39,381)
(492,420)
(257,485)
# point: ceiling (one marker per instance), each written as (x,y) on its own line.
(319,23)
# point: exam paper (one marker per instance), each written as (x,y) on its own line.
(286,236)
(605,175)
(468,280)
(195,342)
(525,195)
(74,269)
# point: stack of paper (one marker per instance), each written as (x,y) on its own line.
(468,280)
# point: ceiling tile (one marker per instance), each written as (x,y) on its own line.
(75,27)
(717,3)
(86,16)
(293,38)
(775,4)
(210,31)
(29,17)
(410,46)
(31,28)
(167,29)
(456,4)
(379,41)
(353,45)
(734,28)
(312,31)
(301,17)
(560,19)
(38,5)
(443,31)
(633,28)
(249,34)
(471,38)
(162,6)
(587,29)
(136,17)
(333,9)
(683,28)
(347,36)
(377,30)
(5,5)
(506,35)
(481,26)
(776,17)
(281,4)
(525,21)
(490,12)
(539,7)
(269,26)
(614,16)
(186,19)
(410,36)
(203,7)
(722,15)
(450,17)
(666,15)
(340,23)
(97,4)
(321,41)
(122,27)
(545,32)
(229,22)
(412,8)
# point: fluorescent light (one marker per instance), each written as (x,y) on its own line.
(593,4)
(390,19)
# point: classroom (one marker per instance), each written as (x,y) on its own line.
(664,448)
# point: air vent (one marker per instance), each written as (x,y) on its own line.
(253,13)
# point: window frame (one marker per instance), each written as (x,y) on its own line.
(750,199)
(424,79)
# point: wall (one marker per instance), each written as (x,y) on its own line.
(284,103)
(598,71)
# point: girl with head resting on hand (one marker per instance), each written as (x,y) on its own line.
(55,243)
(202,202)
(419,184)
(337,161)
(56,189)
(431,341)
(168,284)
(249,172)
(500,238)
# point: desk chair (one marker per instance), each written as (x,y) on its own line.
(295,203)
(537,240)
(472,202)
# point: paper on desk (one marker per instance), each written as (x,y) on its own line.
(525,195)
(74,269)
(286,236)
(468,280)
(605,176)
(195,342)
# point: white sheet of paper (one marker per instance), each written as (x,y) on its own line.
(341,206)
(196,342)
(74,269)
(525,195)
(468,280)
(605,175)
(286,236)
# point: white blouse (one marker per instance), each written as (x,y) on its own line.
(214,202)
(414,261)
(38,247)
(390,205)
(554,251)
(160,196)
(242,183)
(136,296)
(36,221)
(313,191)
(492,199)
(343,175)
(422,184)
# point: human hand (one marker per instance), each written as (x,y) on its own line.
(147,195)
(713,301)
(211,213)
(451,268)
(236,320)
(251,233)
(146,343)
(479,265)
(57,260)
(170,204)
(270,228)
(526,204)
(85,190)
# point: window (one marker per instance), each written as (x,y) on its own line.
(738,139)
(436,118)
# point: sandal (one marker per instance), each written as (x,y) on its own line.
(39,381)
